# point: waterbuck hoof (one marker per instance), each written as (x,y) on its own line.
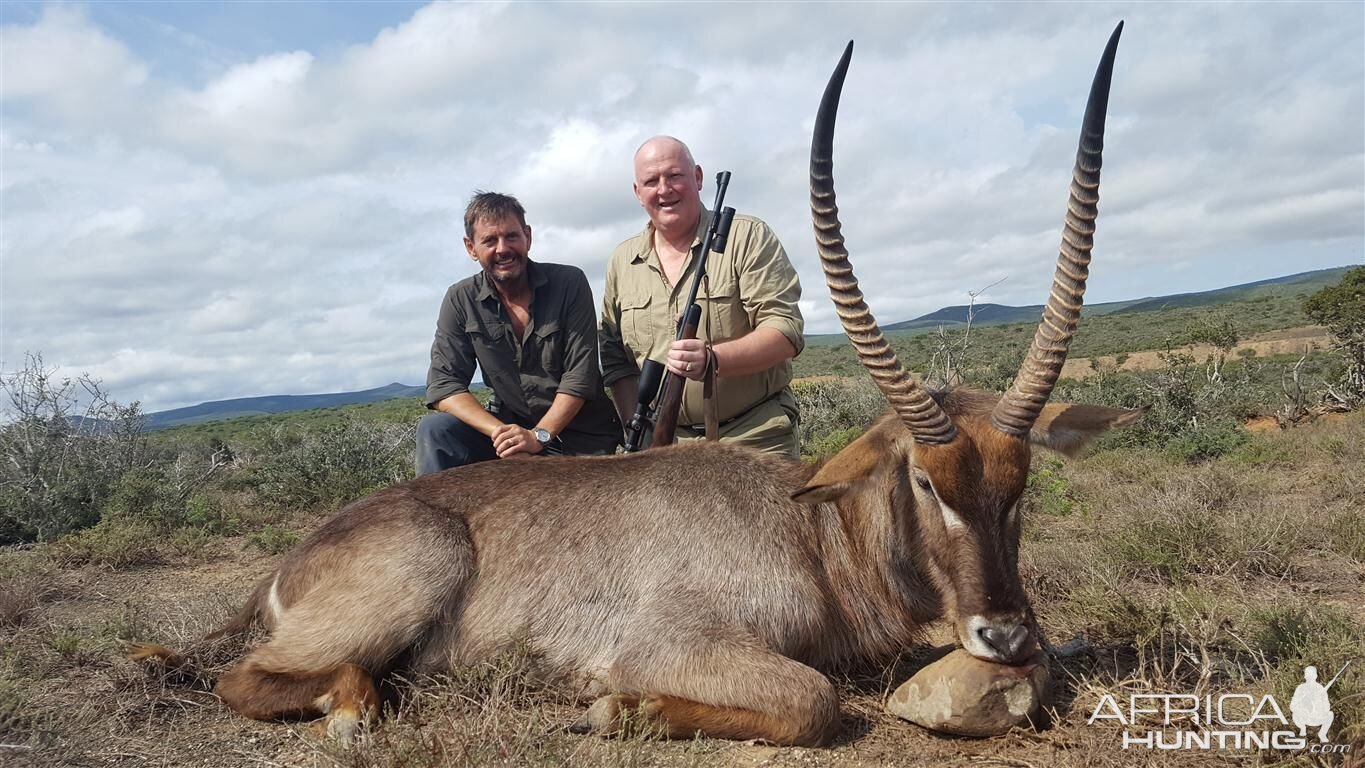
(606,716)
(966,696)
(340,726)
(137,651)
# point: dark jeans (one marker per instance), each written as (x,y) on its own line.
(444,441)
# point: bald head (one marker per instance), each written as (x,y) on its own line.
(668,186)
(666,146)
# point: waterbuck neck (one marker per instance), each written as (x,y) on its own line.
(877,568)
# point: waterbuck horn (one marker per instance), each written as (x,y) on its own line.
(925,419)
(1019,408)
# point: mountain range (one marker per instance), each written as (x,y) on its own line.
(218,410)
(1003,314)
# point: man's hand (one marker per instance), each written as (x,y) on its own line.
(687,358)
(513,440)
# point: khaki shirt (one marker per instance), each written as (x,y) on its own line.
(557,353)
(751,285)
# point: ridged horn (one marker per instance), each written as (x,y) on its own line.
(924,418)
(1019,408)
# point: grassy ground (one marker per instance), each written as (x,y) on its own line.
(1223,576)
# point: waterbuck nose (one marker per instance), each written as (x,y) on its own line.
(1006,641)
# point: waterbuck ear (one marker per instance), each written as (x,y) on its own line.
(1066,427)
(855,462)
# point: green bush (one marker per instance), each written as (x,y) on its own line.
(834,411)
(297,469)
(827,445)
(63,448)
(1206,441)
(207,512)
(273,540)
(1048,490)
(115,545)
(145,496)
(1341,308)
(1196,409)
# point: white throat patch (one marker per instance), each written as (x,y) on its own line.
(951,518)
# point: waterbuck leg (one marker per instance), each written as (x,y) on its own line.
(345,693)
(136,651)
(343,614)
(728,689)
(351,703)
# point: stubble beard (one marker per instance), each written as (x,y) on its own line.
(510,274)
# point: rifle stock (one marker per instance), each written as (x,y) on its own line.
(671,391)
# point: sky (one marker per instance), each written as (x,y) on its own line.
(201,201)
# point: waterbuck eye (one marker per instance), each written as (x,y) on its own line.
(922,480)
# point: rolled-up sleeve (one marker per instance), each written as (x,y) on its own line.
(617,362)
(452,353)
(770,288)
(582,376)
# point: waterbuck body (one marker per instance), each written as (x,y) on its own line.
(709,586)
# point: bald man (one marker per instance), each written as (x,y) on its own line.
(751,325)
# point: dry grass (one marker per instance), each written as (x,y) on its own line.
(1223,577)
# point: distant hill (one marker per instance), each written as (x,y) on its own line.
(1003,314)
(1303,282)
(986,314)
(255,406)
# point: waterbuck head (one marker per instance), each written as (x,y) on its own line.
(954,464)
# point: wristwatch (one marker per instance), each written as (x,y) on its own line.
(543,436)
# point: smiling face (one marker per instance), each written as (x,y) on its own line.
(668,186)
(500,246)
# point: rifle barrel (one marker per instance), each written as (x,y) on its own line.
(1338,674)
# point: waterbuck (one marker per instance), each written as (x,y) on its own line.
(705,585)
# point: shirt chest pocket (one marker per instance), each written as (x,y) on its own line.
(488,341)
(549,341)
(724,310)
(637,324)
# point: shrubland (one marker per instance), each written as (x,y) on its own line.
(1193,554)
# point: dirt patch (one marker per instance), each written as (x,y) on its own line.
(1290,341)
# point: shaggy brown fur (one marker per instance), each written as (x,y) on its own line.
(689,581)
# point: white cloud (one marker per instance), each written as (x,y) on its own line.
(65,65)
(259,91)
(286,221)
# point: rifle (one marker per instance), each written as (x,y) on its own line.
(656,382)
(1338,674)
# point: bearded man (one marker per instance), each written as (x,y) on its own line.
(531,328)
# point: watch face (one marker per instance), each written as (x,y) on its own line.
(541,434)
